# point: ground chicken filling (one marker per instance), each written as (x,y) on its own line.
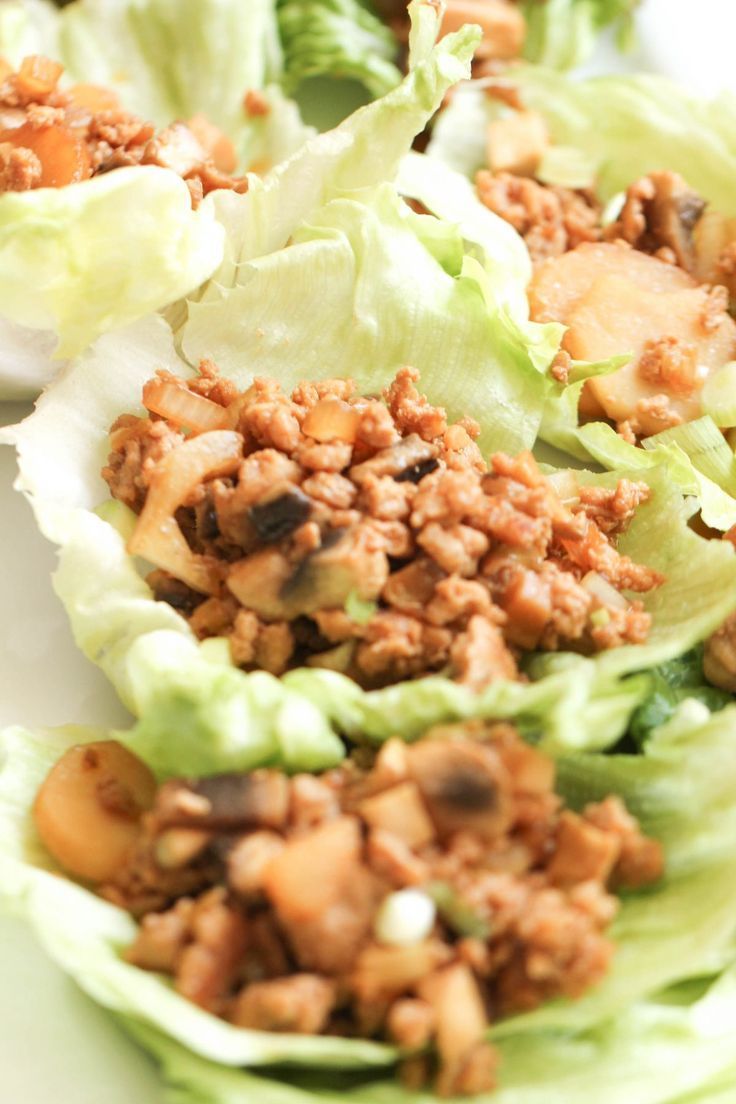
(654,284)
(367,536)
(50,137)
(413,899)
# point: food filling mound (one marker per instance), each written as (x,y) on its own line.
(414,899)
(367,536)
(50,137)
(655,283)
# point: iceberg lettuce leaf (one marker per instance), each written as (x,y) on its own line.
(562,33)
(660,1036)
(66,267)
(340,39)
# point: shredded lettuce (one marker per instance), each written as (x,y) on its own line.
(657,1024)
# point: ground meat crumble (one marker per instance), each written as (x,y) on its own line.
(51,136)
(414,898)
(366,536)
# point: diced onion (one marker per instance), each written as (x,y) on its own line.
(405,918)
(182,407)
(157,536)
(600,588)
(566,486)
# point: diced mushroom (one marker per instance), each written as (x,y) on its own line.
(258,582)
(465,786)
(672,215)
(326,577)
(396,460)
(224,802)
(280,512)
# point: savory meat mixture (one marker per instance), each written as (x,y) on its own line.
(367,536)
(51,136)
(415,898)
(655,283)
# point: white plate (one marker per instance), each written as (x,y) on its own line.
(55,1045)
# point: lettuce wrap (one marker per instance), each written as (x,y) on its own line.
(605,133)
(65,267)
(326,273)
(657,1024)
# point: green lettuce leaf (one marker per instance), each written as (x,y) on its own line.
(340,39)
(56,246)
(620,127)
(563,33)
(659,1053)
(658,1024)
(672,683)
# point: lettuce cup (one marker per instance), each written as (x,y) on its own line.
(621,189)
(373,930)
(97,88)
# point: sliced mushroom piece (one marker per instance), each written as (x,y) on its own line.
(258,581)
(465,786)
(672,215)
(326,577)
(397,460)
(280,512)
(224,802)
